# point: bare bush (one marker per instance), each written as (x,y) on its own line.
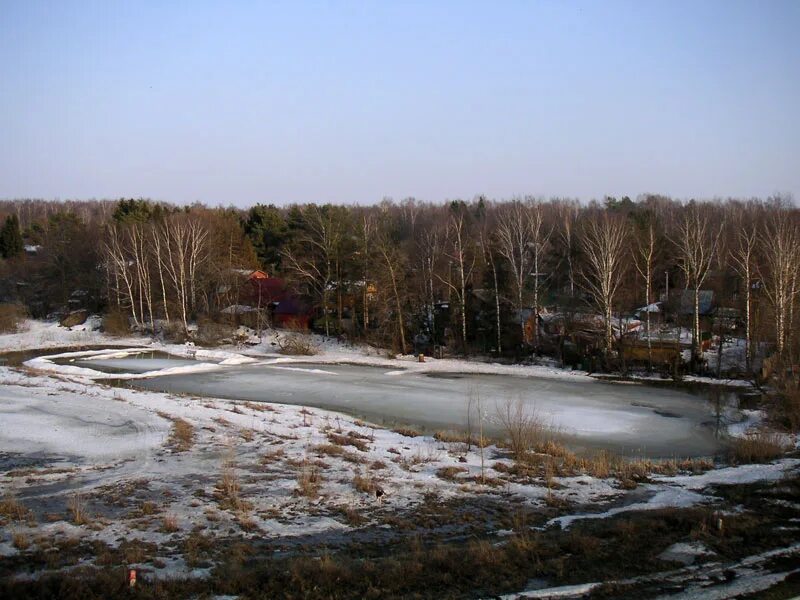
(210,333)
(524,428)
(12,316)
(297,344)
(757,447)
(116,323)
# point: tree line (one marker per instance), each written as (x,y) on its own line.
(474,277)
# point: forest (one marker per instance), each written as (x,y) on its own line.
(511,279)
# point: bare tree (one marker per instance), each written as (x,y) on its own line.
(392,259)
(515,238)
(697,241)
(780,241)
(569,216)
(183,252)
(488,255)
(644,255)
(743,256)
(603,244)
(429,246)
(459,251)
(122,267)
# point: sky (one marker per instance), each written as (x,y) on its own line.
(350,102)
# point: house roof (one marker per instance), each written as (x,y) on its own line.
(706,298)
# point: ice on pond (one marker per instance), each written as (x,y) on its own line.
(633,419)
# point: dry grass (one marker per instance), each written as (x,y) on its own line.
(272,456)
(451,473)
(259,407)
(20,541)
(407,431)
(454,437)
(13,509)
(228,488)
(329,450)
(309,481)
(352,516)
(181,437)
(77,509)
(352,438)
(169,524)
(757,448)
(365,485)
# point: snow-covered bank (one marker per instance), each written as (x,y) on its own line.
(682,491)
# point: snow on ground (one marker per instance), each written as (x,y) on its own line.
(682,491)
(63,433)
(48,334)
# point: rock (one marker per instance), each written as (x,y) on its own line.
(76,317)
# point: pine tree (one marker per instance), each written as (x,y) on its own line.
(11,238)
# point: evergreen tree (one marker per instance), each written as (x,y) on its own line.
(268,232)
(11,238)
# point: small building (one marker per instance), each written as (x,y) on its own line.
(705,304)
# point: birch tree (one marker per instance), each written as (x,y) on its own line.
(603,245)
(780,240)
(697,241)
(429,249)
(515,238)
(644,254)
(183,252)
(460,252)
(743,254)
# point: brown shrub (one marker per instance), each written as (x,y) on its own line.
(116,322)
(757,448)
(210,333)
(523,427)
(297,344)
(12,315)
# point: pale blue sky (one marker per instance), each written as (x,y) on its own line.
(243,102)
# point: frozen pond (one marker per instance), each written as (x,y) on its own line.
(140,362)
(633,419)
